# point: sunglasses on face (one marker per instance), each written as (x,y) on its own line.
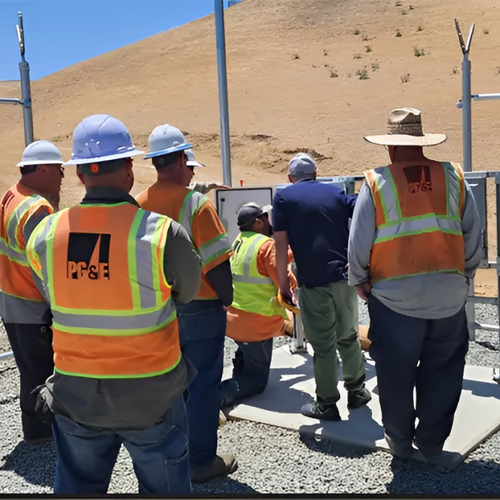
(186,159)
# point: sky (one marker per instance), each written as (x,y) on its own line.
(59,33)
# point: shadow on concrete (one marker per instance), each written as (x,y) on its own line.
(36,464)
(360,429)
(482,389)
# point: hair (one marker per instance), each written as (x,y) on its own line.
(28,169)
(104,167)
(167,160)
(303,176)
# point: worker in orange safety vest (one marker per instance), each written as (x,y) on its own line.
(110,272)
(415,242)
(25,314)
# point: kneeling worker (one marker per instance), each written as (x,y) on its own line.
(254,318)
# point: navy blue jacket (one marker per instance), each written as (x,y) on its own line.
(315,216)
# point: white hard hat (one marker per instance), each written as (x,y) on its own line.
(40,153)
(166,139)
(100,138)
(191,161)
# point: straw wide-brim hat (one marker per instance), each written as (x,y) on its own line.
(405,129)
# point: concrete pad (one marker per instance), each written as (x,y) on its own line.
(291,384)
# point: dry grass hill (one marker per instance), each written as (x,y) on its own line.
(311,75)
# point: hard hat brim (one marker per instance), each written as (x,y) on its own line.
(98,159)
(39,162)
(161,152)
(194,163)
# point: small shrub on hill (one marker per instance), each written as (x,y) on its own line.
(362,73)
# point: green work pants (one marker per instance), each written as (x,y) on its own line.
(330,317)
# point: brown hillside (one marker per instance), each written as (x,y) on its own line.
(294,71)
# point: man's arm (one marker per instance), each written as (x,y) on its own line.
(212,243)
(471,229)
(361,238)
(281,241)
(182,264)
(222,280)
(205,187)
(266,264)
(350,200)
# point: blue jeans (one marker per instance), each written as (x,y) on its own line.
(251,363)
(202,329)
(86,457)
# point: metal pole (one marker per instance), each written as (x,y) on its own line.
(467,152)
(496,377)
(466,114)
(24,70)
(298,343)
(223,103)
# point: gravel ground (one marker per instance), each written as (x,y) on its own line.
(272,460)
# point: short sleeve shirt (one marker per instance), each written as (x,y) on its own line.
(315,217)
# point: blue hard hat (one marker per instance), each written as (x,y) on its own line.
(100,138)
(166,139)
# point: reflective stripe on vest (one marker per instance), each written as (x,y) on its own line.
(20,300)
(425,236)
(119,291)
(190,206)
(211,249)
(252,291)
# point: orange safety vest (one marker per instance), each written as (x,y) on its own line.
(184,205)
(20,298)
(418,211)
(102,267)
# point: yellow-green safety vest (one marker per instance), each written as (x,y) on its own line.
(252,291)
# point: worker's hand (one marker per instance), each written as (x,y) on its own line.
(42,408)
(288,296)
(214,185)
(364,291)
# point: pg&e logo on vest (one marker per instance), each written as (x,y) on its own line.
(418,179)
(88,256)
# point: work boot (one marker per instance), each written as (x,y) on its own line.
(401,449)
(221,465)
(39,440)
(322,412)
(358,398)
(444,460)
